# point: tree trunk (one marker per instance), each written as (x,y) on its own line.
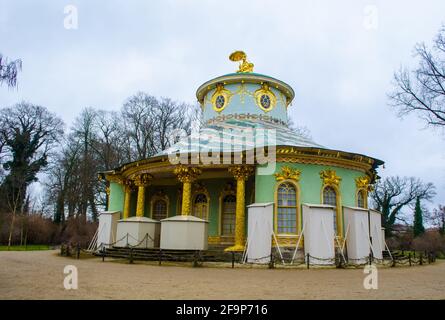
(11,230)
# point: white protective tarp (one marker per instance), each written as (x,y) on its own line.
(106,234)
(259,232)
(184,233)
(357,234)
(375,222)
(140,232)
(318,224)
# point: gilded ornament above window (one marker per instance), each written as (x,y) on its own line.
(287,173)
(330,178)
(363,182)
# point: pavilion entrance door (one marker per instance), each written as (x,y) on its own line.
(159,209)
(200,206)
(228,215)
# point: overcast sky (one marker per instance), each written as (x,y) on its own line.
(339,56)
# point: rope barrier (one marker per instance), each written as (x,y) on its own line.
(199,257)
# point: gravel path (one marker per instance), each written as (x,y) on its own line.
(39,275)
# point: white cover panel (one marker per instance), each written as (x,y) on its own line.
(259,232)
(106,233)
(319,238)
(376,233)
(184,233)
(137,228)
(357,237)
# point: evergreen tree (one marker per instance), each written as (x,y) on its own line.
(418,219)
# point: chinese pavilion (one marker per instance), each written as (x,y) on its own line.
(215,173)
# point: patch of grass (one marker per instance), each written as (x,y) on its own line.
(30,247)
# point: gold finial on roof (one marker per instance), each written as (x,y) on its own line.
(244,66)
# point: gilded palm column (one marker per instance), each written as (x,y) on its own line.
(141,181)
(186,175)
(241,174)
(128,188)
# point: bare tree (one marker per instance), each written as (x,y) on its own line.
(301,131)
(14,207)
(423,90)
(149,123)
(109,140)
(101,140)
(110,145)
(140,123)
(62,185)
(84,133)
(96,143)
(392,194)
(9,71)
(437,218)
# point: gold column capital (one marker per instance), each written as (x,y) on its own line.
(128,185)
(187,174)
(241,172)
(142,180)
(111,178)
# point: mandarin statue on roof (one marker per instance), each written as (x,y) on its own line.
(244,66)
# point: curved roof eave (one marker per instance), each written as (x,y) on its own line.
(157,158)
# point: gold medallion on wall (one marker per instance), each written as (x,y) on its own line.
(220,98)
(265,98)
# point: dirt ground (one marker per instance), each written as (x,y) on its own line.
(39,275)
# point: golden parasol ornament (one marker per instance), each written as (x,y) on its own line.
(244,66)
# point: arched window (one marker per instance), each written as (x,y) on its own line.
(361,199)
(200,206)
(228,215)
(286,208)
(330,198)
(159,209)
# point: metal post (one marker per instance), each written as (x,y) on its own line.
(420,259)
(160,256)
(131,255)
(195,259)
(307,260)
(103,254)
(271,263)
(233,259)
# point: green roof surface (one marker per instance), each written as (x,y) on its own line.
(230,133)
